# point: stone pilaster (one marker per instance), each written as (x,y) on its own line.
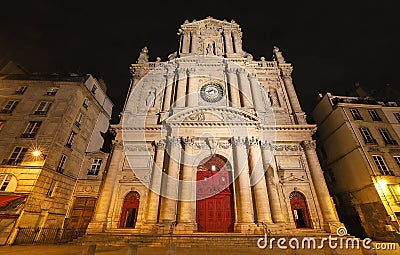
(228,42)
(245,91)
(99,221)
(245,210)
(331,222)
(180,100)
(272,188)
(186,42)
(258,99)
(258,181)
(155,186)
(233,88)
(169,200)
(192,94)
(169,80)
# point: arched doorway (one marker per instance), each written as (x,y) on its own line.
(300,212)
(129,211)
(214,193)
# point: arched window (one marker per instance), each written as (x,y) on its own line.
(129,211)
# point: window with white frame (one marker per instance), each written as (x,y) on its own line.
(21,90)
(31,129)
(9,107)
(70,139)
(374,115)
(356,114)
(386,136)
(52,91)
(381,165)
(4,181)
(397,116)
(51,189)
(395,191)
(94,89)
(61,163)
(95,167)
(43,108)
(367,136)
(397,160)
(17,156)
(78,120)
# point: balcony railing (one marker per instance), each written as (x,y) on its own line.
(40,112)
(12,162)
(28,135)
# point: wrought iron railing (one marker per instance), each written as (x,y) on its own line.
(32,235)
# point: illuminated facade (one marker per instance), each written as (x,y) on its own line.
(50,127)
(358,144)
(212,140)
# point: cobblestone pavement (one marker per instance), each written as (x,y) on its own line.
(114,250)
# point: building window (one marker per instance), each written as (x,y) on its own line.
(16,156)
(9,107)
(397,160)
(395,191)
(386,136)
(70,139)
(380,164)
(95,168)
(2,122)
(374,115)
(50,191)
(31,129)
(94,90)
(43,108)
(60,167)
(52,91)
(78,120)
(356,114)
(4,181)
(85,103)
(21,90)
(367,136)
(397,116)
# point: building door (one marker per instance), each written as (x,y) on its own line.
(82,212)
(129,210)
(299,209)
(214,205)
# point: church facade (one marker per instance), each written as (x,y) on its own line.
(212,140)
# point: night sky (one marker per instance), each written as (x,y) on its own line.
(331,44)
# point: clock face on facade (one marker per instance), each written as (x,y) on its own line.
(212,92)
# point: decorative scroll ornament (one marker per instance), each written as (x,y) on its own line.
(253,141)
(309,145)
(174,141)
(238,141)
(199,116)
(160,145)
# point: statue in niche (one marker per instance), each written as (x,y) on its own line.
(151,97)
(143,56)
(210,49)
(273,98)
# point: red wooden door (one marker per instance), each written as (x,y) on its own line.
(129,210)
(299,210)
(214,206)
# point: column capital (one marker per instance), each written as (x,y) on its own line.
(190,71)
(231,70)
(265,145)
(188,141)
(118,144)
(160,145)
(174,141)
(238,141)
(309,145)
(253,141)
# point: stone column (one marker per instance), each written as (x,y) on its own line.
(233,88)
(228,42)
(155,188)
(246,214)
(188,189)
(321,190)
(272,188)
(193,48)
(180,99)
(170,190)
(186,42)
(245,91)
(237,38)
(99,220)
(192,94)
(258,182)
(257,92)
(169,80)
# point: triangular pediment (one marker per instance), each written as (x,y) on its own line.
(210,21)
(213,116)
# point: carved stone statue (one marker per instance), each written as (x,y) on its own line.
(143,56)
(210,49)
(151,97)
(172,55)
(278,55)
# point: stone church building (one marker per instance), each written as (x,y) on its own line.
(212,140)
